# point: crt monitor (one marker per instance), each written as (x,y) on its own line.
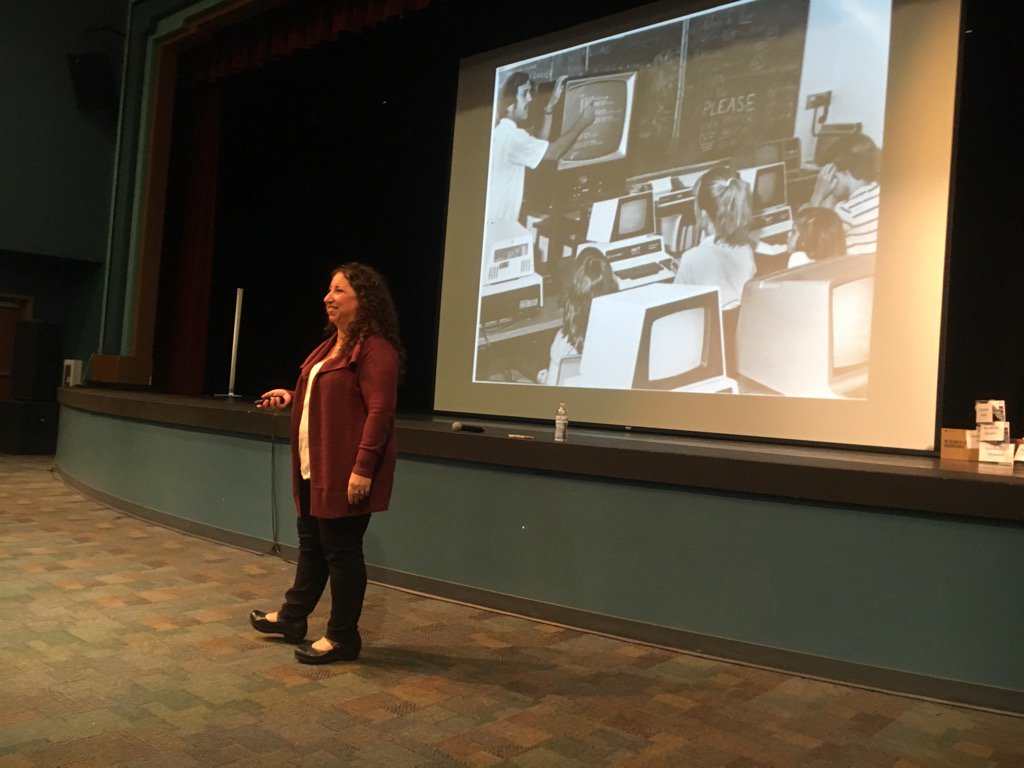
(659,336)
(769,189)
(806,332)
(768,152)
(785,151)
(621,218)
(767,185)
(607,138)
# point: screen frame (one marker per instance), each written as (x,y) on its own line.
(628,79)
(649,224)
(778,168)
(846,370)
(920,116)
(712,329)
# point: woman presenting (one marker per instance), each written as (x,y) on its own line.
(343,459)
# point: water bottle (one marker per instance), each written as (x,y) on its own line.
(561,423)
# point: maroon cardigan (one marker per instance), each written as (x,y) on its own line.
(351,427)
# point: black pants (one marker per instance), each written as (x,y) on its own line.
(328,548)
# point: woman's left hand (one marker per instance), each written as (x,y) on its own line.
(358,488)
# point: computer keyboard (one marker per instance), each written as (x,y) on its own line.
(643,270)
(643,274)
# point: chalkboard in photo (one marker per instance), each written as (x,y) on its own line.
(742,78)
(654,54)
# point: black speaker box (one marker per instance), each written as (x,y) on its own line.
(38,361)
(93,80)
(28,427)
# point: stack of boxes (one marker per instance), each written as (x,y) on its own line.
(994,444)
(989,442)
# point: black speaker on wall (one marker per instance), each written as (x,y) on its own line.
(38,361)
(28,427)
(93,80)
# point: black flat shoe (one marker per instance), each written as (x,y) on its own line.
(307,654)
(292,631)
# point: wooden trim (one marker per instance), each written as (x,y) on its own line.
(875,482)
(119,369)
(136,367)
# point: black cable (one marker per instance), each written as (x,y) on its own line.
(275,546)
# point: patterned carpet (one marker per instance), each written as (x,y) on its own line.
(128,645)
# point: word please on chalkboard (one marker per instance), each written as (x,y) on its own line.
(729,105)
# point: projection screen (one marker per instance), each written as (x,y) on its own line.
(723,219)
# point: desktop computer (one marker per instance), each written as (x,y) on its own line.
(772,217)
(675,216)
(511,300)
(622,230)
(786,151)
(806,332)
(510,288)
(508,252)
(657,337)
(607,138)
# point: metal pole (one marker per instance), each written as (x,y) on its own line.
(234,341)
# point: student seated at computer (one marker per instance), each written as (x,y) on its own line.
(593,277)
(848,184)
(817,234)
(724,257)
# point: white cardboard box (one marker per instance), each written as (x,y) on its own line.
(996,453)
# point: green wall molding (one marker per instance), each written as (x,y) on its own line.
(921,595)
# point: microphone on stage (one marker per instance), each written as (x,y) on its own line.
(458,426)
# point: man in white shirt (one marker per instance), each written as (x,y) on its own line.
(848,184)
(513,149)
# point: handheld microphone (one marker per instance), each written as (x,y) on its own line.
(458,426)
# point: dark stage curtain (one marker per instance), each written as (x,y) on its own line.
(296,26)
(187,340)
(260,40)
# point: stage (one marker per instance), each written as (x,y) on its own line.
(894,572)
(874,479)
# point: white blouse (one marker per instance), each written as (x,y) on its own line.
(304,424)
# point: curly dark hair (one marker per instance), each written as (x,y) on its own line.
(593,277)
(819,233)
(510,90)
(375,314)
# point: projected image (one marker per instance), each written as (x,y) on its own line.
(689,206)
(611,99)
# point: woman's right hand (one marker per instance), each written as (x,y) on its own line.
(275,399)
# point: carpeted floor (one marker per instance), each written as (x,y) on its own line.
(127,644)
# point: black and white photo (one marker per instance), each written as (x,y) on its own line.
(690,206)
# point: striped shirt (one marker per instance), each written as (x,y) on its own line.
(859,214)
